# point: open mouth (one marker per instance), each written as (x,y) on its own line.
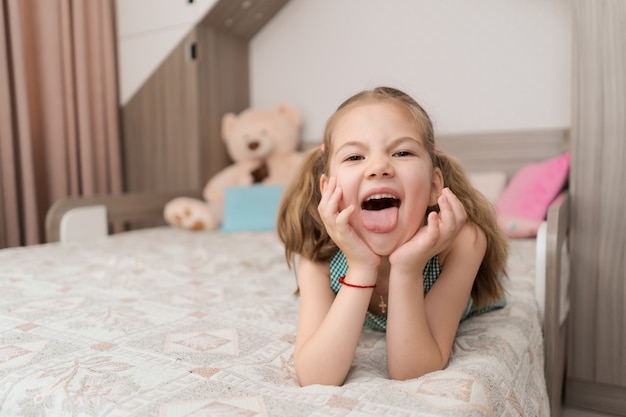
(380,202)
(379,213)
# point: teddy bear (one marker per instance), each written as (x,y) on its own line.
(263,145)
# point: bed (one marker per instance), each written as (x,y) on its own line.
(165,322)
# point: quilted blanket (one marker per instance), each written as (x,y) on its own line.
(171,323)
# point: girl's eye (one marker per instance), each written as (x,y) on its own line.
(354,158)
(403,153)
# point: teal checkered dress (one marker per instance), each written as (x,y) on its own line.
(432,270)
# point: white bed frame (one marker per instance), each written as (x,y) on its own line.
(82,218)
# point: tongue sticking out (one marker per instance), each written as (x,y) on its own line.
(380,221)
(380,213)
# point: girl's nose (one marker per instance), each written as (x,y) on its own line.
(379,166)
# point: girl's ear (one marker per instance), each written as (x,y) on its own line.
(323,182)
(436,186)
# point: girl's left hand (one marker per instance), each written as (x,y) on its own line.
(431,239)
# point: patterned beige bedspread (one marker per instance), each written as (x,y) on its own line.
(164,322)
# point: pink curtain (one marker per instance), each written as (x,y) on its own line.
(59,122)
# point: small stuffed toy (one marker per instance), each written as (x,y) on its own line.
(263,145)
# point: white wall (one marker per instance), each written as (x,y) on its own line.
(479,65)
(147,32)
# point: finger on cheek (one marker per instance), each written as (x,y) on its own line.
(441,197)
(337,193)
(344,215)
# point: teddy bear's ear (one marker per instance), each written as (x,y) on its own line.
(228,122)
(291,113)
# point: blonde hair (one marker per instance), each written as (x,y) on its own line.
(302,231)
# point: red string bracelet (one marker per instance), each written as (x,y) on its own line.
(342,281)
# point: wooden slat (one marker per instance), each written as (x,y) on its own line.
(504,151)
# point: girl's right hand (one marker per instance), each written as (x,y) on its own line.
(358,254)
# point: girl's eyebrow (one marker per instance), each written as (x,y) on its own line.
(355,143)
(404,139)
(394,143)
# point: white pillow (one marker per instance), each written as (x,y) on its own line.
(490,183)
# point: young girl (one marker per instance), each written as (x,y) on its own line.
(390,233)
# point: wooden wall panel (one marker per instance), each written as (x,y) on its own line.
(160,127)
(223,88)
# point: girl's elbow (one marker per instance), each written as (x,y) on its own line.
(403,373)
(312,377)
(306,381)
(406,374)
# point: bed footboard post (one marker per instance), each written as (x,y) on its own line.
(557,279)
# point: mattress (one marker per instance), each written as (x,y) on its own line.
(167,322)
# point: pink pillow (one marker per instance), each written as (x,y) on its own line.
(531,190)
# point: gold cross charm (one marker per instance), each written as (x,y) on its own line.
(382,304)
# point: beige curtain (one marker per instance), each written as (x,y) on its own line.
(59,124)
(597,187)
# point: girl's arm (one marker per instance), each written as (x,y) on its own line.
(421,330)
(329,326)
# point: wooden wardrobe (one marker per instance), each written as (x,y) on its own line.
(596,369)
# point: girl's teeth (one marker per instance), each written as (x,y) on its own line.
(379,196)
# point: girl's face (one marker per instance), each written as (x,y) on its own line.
(384,170)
